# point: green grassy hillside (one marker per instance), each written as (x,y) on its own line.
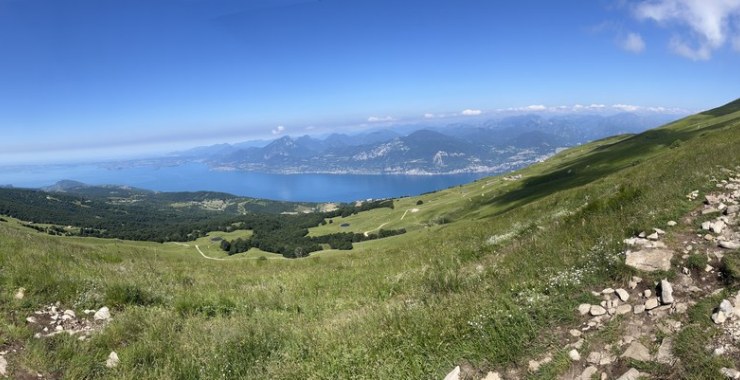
(482,278)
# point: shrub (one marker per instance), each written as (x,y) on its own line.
(730,268)
(698,262)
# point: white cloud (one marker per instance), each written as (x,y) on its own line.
(377,119)
(633,43)
(536,107)
(429,116)
(709,21)
(278,130)
(626,107)
(699,53)
(470,112)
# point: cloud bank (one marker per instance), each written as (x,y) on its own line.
(378,119)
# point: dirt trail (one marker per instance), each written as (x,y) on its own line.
(404,214)
(208,257)
(367,233)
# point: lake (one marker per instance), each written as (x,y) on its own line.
(197,177)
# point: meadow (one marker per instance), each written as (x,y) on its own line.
(485,274)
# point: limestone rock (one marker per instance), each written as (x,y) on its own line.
(653,236)
(730,373)
(588,373)
(3,367)
(453,375)
(600,358)
(597,310)
(492,376)
(651,304)
(20,293)
(665,352)
(113,361)
(632,374)
(639,309)
(729,244)
(717,227)
(666,292)
(623,295)
(650,260)
(574,333)
(726,307)
(719,317)
(535,365)
(637,351)
(574,355)
(671,223)
(623,309)
(103,314)
(578,344)
(584,308)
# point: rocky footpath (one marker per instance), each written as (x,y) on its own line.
(652,313)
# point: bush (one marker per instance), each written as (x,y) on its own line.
(730,268)
(419,202)
(698,262)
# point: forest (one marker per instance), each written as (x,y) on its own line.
(96,216)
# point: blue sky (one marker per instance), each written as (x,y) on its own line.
(109,78)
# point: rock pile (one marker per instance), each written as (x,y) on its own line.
(53,320)
(725,206)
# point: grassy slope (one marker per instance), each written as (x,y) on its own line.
(411,306)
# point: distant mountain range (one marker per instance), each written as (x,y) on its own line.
(491,146)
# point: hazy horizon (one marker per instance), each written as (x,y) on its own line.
(105,80)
